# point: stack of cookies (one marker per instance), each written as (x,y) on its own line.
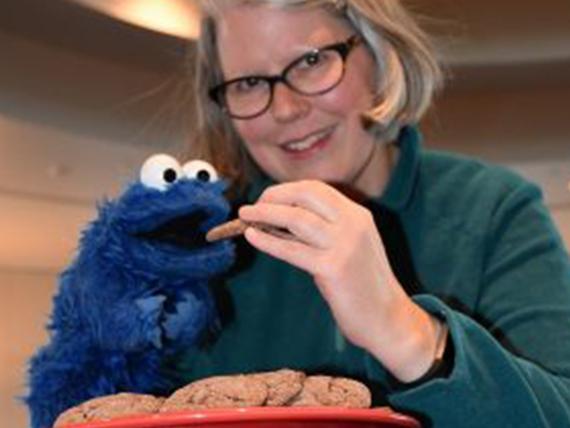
(282,388)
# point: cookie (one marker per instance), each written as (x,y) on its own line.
(327,391)
(227,230)
(218,392)
(282,386)
(237,227)
(109,407)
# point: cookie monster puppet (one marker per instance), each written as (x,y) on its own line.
(137,292)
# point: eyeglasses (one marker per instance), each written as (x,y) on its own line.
(315,73)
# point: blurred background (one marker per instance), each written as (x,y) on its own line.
(88,89)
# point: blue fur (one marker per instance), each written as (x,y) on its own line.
(127,301)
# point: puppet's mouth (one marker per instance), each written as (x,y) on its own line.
(184,232)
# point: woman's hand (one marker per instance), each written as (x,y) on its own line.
(339,245)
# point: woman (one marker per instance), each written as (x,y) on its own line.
(438,280)
(309,125)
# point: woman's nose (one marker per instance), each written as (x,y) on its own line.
(287,104)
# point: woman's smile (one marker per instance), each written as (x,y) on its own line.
(306,147)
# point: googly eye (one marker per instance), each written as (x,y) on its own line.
(200,170)
(160,171)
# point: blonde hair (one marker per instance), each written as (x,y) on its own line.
(408,74)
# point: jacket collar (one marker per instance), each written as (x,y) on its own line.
(400,188)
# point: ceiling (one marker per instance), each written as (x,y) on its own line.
(74,27)
(502,31)
(472,33)
(501,42)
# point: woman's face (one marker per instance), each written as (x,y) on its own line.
(301,137)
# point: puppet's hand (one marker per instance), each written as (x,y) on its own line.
(148,321)
(132,326)
(185,323)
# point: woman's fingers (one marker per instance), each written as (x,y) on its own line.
(314,196)
(307,226)
(333,232)
(293,252)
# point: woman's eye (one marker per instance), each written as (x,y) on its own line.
(315,59)
(200,170)
(312,59)
(247,84)
(160,171)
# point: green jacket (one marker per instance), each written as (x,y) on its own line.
(471,242)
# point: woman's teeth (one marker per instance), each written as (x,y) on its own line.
(305,143)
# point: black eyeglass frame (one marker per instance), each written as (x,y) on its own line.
(217,93)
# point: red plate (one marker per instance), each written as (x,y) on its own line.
(265,417)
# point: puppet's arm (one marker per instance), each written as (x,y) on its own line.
(99,349)
(104,347)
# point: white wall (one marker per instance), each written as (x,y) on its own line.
(73,129)
(25,302)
